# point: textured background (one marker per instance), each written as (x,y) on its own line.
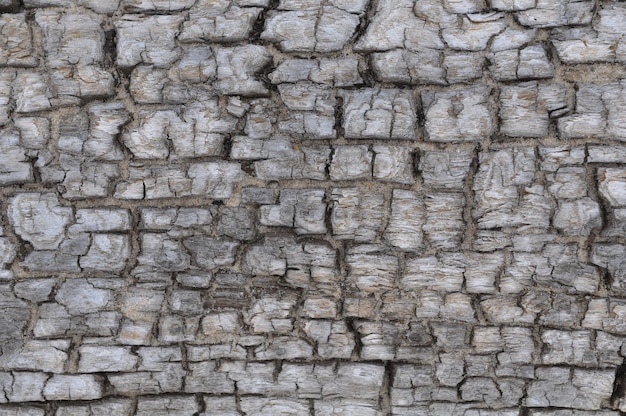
(312,207)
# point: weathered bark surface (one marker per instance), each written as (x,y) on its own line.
(312,207)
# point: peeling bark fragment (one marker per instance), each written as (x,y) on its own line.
(89,179)
(106,122)
(339,72)
(600,43)
(441,274)
(514,345)
(221,406)
(271,314)
(14,164)
(288,347)
(564,347)
(143,382)
(6,88)
(444,219)
(504,191)
(35,290)
(599,113)
(22,386)
(549,13)
(445,168)
(473,32)
(371,272)
(403,66)
(463,67)
(356,215)
(221,327)
(393,164)
(568,182)
(121,407)
(333,338)
(237,222)
(393,19)
(39,219)
(261,116)
(81,296)
(377,113)
(510,60)
(210,253)
(166,406)
(556,266)
(197,64)
(13,322)
(611,257)
(181,222)
(320,26)
(107,252)
(237,70)
(278,159)
(51,261)
(204,379)
(612,185)
(47,356)
(147,83)
(73,387)
(156,5)
(513,5)
(302,209)
(481,389)
(586,389)
(34,132)
(98,358)
(527,108)
(151,139)
(217,21)
(262,405)
(579,217)
(351,163)
(339,406)
(378,340)
(16,41)
(212,179)
(147,39)
(313,110)
(71,38)
(482,270)
(459,115)
(302,264)
(31,92)
(404,229)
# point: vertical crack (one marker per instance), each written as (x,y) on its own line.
(385,390)
(619,387)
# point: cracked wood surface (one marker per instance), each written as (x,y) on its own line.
(312,207)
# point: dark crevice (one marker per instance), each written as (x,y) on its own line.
(619,386)
(351,325)
(385,391)
(339,117)
(259,24)
(368,75)
(416,163)
(331,155)
(264,76)
(364,21)
(607,278)
(227,146)
(110,48)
